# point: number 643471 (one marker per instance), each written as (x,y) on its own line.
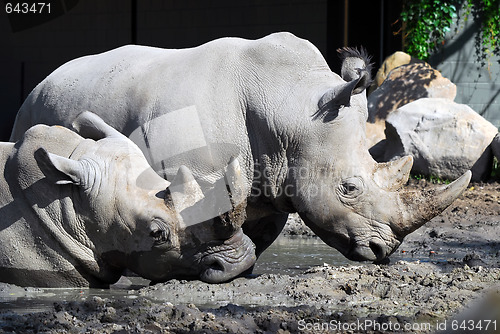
(27,8)
(472,325)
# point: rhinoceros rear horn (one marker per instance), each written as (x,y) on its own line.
(420,207)
(89,125)
(184,191)
(393,175)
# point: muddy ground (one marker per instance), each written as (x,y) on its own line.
(452,264)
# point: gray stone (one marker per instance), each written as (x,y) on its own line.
(405,84)
(375,134)
(397,59)
(445,138)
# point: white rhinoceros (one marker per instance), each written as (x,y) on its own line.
(77,212)
(298,127)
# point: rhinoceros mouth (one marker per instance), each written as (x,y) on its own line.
(223,262)
(375,249)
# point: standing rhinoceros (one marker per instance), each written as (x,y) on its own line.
(77,212)
(299,128)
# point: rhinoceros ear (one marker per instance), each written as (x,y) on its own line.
(59,169)
(356,70)
(341,95)
(89,125)
(356,63)
(184,191)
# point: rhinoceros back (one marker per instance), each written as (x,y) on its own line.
(220,82)
(127,87)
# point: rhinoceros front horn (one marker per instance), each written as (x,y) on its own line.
(420,207)
(237,192)
(235,182)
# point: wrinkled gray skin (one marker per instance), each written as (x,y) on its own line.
(298,127)
(77,212)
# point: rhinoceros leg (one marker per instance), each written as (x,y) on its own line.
(264,231)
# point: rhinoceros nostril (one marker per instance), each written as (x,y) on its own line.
(378,250)
(215,264)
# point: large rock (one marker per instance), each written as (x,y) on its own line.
(375,138)
(405,84)
(445,138)
(397,59)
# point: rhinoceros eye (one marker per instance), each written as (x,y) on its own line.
(351,188)
(159,232)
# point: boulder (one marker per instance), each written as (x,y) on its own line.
(445,138)
(375,138)
(405,84)
(397,59)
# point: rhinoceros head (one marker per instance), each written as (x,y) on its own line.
(364,211)
(351,202)
(213,250)
(132,218)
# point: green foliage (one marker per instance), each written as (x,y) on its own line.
(487,12)
(432,179)
(426,23)
(495,170)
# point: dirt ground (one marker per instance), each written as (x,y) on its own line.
(456,289)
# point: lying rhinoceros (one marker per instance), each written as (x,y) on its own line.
(77,212)
(298,127)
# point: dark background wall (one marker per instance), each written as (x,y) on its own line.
(34,45)
(477,80)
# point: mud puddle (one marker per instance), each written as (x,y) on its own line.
(292,255)
(289,255)
(27,300)
(303,286)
